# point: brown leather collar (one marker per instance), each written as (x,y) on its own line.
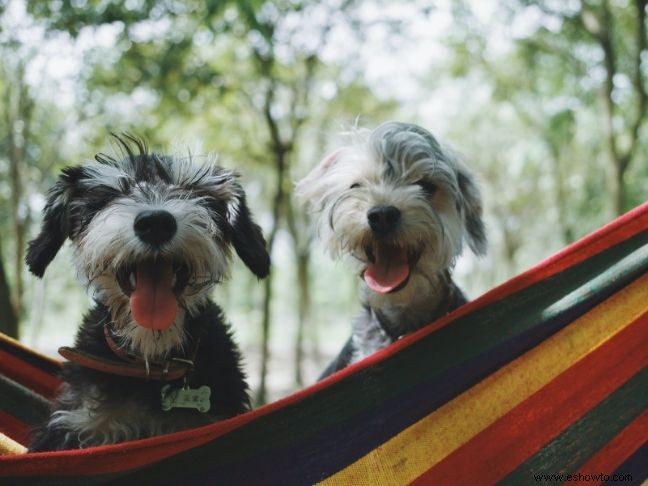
(130,364)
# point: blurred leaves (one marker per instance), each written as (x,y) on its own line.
(545,63)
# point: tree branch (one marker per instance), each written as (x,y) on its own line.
(638,84)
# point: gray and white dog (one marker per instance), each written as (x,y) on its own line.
(151,235)
(400,206)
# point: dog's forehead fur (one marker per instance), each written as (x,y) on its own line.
(149,179)
(406,152)
(394,157)
(160,171)
(400,165)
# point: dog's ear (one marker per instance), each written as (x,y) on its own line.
(246,236)
(56,222)
(310,190)
(471,209)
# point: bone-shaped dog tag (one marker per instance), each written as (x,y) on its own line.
(185,397)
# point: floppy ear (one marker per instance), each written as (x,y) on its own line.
(246,237)
(471,208)
(311,188)
(55,227)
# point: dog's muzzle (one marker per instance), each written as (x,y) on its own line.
(153,282)
(390,264)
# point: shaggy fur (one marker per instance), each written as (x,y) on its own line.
(99,206)
(396,191)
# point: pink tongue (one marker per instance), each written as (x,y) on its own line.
(389,271)
(153,304)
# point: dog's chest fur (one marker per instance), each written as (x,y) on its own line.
(95,408)
(377,327)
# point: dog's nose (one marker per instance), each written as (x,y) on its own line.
(383,219)
(155,226)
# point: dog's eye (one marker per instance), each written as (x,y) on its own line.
(427,187)
(355,185)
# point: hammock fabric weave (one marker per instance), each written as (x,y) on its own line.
(544,375)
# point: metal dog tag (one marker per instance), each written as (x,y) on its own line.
(185,397)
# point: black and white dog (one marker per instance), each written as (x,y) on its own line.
(400,206)
(151,236)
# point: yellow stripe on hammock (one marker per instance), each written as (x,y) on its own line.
(10,446)
(416,449)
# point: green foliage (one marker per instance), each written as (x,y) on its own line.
(543,64)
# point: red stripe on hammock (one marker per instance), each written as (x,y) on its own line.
(615,452)
(14,428)
(499,449)
(120,457)
(29,376)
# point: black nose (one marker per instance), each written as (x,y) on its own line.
(155,226)
(383,219)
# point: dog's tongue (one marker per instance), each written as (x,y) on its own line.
(153,304)
(389,270)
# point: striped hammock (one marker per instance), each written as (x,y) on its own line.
(543,377)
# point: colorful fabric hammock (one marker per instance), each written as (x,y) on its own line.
(543,377)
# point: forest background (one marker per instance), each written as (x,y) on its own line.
(547,100)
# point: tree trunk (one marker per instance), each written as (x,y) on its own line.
(510,242)
(280,152)
(266,318)
(282,148)
(19,106)
(561,195)
(16,161)
(618,188)
(609,62)
(261,395)
(8,318)
(303,311)
(37,310)
(298,228)
(602,31)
